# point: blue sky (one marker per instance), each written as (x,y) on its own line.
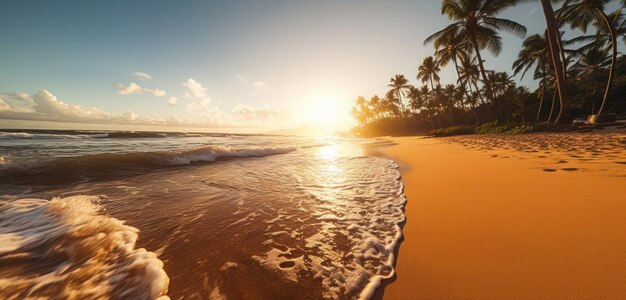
(259,61)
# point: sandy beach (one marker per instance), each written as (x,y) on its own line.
(538,216)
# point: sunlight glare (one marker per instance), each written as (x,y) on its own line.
(324,112)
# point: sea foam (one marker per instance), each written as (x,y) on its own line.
(65,248)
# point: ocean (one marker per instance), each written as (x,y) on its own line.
(132,215)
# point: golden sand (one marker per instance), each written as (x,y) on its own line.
(540,216)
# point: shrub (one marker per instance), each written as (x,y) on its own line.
(454,130)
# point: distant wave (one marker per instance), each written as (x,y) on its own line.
(81,134)
(74,252)
(80,168)
(34,136)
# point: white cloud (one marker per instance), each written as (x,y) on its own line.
(259,84)
(134,88)
(241,78)
(142,75)
(199,105)
(44,106)
(194,89)
(172,101)
(260,114)
(157,92)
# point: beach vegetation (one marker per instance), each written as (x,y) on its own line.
(577,77)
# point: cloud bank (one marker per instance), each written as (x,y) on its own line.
(260,114)
(44,106)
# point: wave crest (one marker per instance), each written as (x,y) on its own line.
(106,165)
(74,251)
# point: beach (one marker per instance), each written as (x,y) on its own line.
(537,216)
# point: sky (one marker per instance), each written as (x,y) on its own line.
(222,66)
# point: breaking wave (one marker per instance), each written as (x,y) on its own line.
(64,248)
(79,168)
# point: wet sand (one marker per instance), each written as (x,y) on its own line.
(539,216)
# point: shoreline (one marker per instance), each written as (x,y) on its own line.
(495,216)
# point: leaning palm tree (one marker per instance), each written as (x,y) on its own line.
(558,61)
(477,22)
(541,74)
(580,13)
(399,84)
(428,71)
(591,64)
(452,47)
(535,52)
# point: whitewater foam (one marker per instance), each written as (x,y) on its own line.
(64,248)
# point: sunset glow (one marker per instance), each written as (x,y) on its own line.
(313,149)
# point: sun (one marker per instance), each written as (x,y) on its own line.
(323,112)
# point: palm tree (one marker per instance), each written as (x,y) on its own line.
(452,47)
(428,71)
(391,103)
(476,22)
(558,61)
(592,63)
(361,111)
(535,52)
(581,13)
(416,99)
(451,96)
(499,82)
(399,84)
(470,74)
(376,107)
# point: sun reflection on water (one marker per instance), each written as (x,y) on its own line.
(328,153)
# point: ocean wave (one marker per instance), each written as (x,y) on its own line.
(64,248)
(45,136)
(81,168)
(72,134)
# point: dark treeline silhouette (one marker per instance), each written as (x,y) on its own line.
(578,77)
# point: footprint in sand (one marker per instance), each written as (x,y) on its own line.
(562,162)
(287,264)
(621,162)
(569,169)
(549,170)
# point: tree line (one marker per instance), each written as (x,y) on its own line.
(582,76)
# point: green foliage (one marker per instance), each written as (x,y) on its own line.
(511,128)
(453,130)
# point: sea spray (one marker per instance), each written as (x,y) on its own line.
(65,248)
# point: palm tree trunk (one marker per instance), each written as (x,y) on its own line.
(554,39)
(553,105)
(482,69)
(458,76)
(543,93)
(401,104)
(609,26)
(595,92)
(435,104)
